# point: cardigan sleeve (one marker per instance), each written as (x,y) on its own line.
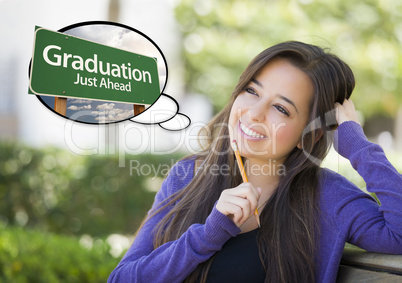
(173,261)
(365,223)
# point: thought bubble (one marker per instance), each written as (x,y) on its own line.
(177,123)
(165,113)
(106,87)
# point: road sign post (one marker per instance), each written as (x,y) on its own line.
(60,105)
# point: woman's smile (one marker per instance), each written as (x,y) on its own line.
(250,134)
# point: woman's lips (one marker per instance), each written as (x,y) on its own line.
(249,133)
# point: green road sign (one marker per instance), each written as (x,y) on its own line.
(67,66)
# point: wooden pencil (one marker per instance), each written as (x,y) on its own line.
(243,174)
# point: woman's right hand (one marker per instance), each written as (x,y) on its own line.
(239,203)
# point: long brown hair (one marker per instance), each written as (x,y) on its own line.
(288,233)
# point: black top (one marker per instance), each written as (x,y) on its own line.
(238,261)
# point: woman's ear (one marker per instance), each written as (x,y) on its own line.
(299,145)
(318,135)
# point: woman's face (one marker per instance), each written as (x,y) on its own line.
(268,117)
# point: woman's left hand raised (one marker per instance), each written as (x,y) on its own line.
(346,112)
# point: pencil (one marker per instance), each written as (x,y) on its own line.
(243,174)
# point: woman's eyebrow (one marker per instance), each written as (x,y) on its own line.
(287,100)
(257,82)
(278,95)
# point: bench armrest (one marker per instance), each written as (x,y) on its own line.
(358,265)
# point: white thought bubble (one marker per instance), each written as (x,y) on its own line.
(164,111)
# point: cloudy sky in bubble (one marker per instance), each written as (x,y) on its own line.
(94,111)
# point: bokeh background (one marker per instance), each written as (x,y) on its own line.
(73,195)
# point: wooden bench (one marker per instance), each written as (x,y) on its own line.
(358,265)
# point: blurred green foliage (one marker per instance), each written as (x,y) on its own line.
(221,37)
(56,191)
(86,198)
(33,256)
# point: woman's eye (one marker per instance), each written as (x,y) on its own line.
(282,110)
(251,90)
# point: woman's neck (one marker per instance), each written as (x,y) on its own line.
(264,174)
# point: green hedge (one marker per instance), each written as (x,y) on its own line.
(33,256)
(57,191)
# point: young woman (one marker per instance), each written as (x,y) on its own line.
(202,227)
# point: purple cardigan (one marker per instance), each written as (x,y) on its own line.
(347,215)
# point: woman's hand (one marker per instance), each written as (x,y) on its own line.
(345,112)
(239,203)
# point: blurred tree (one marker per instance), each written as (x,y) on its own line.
(114,10)
(35,256)
(57,191)
(221,37)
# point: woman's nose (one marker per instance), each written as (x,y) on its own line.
(257,112)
